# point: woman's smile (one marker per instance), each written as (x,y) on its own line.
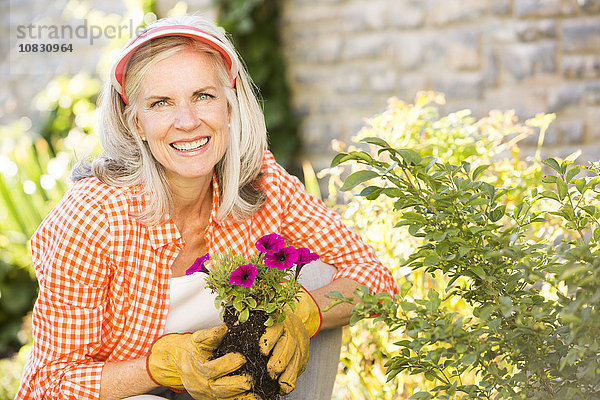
(187,146)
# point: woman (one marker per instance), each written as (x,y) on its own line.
(184,171)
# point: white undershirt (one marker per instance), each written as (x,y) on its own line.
(191,306)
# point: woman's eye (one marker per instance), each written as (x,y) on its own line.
(159,103)
(204,96)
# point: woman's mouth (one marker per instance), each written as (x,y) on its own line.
(190,146)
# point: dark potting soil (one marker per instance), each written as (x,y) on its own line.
(244,339)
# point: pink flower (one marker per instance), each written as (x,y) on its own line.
(282,259)
(198,265)
(243,275)
(270,243)
(305,256)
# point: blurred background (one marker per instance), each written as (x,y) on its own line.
(322,67)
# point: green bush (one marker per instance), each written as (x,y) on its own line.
(34,169)
(510,307)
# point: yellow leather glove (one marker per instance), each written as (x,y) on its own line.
(289,342)
(180,362)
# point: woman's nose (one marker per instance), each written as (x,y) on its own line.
(186,118)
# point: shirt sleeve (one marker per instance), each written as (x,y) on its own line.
(307,222)
(70,256)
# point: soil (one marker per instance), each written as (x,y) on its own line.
(244,339)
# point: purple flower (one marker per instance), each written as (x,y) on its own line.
(243,275)
(282,259)
(270,243)
(198,265)
(305,256)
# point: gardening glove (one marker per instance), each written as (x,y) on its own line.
(181,363)
(289,342)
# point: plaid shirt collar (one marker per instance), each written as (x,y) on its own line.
(166,232)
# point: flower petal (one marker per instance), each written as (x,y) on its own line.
(270,243)
(198,265)
(243,275)
(282,259)
(306,256)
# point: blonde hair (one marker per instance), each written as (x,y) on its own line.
(126,160)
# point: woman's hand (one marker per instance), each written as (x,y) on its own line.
(181,363)
(289,342)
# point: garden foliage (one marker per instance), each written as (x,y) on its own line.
(510,310)
(34,168)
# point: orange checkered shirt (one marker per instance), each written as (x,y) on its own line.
(104,276)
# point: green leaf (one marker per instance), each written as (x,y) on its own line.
(552,163)
(238,305)
(250,302)
(354,319)
(434,300)
(564,166)
(410,156)
(407,306)
(589,209)
(597,234)
(271,307)
(580,185)
(362,155)
(431,260)
(376,141)
(572,172)
(479,170)
(357,178)
(550,195)
(488,189)
(338,159)
(462,250)
(562,188)
(405,288)
(244,315)
(497,213)
(469,358)
(506,305)
(477,270)
(371,192)
(421,396)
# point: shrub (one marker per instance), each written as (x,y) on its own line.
(510,305)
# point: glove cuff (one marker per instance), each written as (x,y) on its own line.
(314,320)
(174,382)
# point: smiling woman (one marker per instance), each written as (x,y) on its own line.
(184,171)
(182,115)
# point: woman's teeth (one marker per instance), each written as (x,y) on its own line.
(188,146)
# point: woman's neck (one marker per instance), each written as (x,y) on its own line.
(191,200)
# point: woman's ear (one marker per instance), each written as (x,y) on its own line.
(139,128)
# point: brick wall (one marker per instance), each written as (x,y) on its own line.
(347,57)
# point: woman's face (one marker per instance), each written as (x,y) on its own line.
(183,114)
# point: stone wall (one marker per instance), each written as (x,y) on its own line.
(29,22)
(347,57)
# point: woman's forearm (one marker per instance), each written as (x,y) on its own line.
(340,314)
(121,379)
